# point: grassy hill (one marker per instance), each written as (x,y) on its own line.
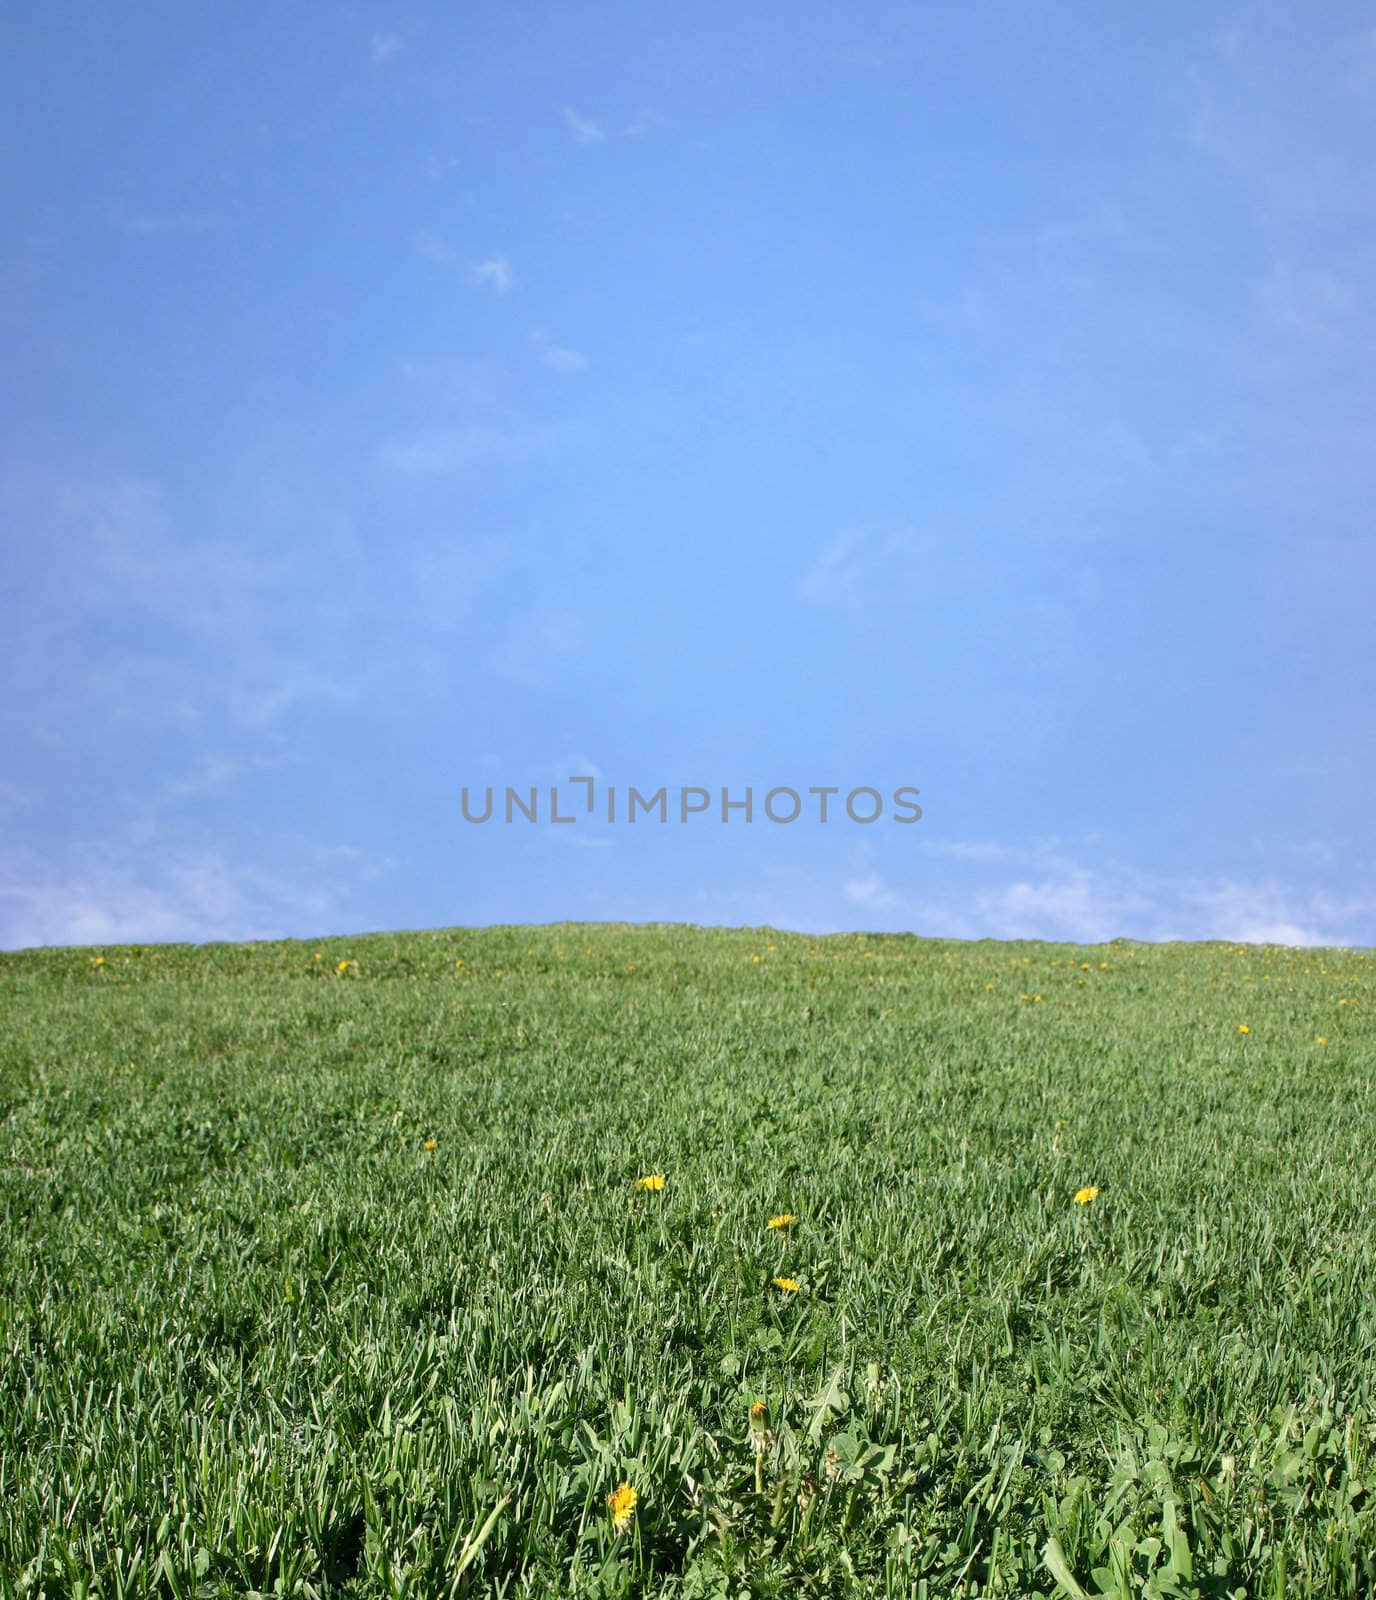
(325,1269)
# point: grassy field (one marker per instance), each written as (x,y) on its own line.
(326,1270)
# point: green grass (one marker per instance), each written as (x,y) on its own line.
(255,1336)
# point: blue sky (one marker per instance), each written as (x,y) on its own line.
(968,396)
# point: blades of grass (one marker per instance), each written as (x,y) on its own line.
(1054,1558)
(472,1546)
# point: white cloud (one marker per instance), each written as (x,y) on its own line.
(1073,905)
(558,357)
(172,893)
(87,557)
(736,908)
(1260,109)
(494,273)
(832,573)
(962,850)
(211,774)
(384,46)
(872,893)
(1057,899)
(583,130)
(439,451)
(1269,913)
(148,224)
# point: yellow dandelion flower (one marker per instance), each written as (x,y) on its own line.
(1085,1195)
(782,1220)
(432,1144)
(1323,1038)
(1243,1028)
(622,1502)
(788,1285)
(652,1182)
(97,961)
(759,1411)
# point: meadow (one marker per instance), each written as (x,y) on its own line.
(441,1264)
